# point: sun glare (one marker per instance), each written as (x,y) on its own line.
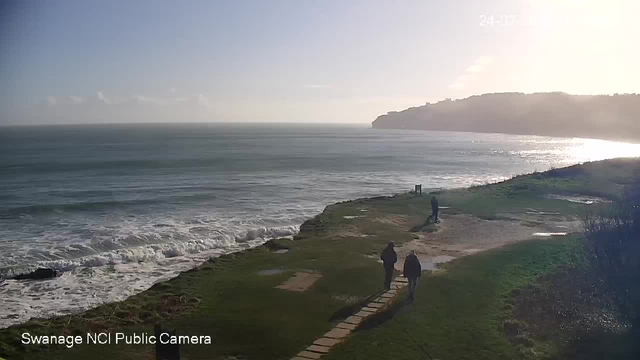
(593,150)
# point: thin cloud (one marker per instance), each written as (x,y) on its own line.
(202,100)
(478,66)
(464,78)
(100,98)
(76,99)
(103,98)
(64,100)
(141,99)
(484,60)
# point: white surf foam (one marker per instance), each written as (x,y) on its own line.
(113,275)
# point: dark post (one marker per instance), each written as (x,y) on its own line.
(165,351)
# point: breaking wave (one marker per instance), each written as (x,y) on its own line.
(143,248)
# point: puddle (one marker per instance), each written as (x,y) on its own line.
(579,199)
(535,212)
(550,234)
(281,251)
(432,263)
(349,217)
(270,272)
(363,210)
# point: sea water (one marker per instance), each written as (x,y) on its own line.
(118,208)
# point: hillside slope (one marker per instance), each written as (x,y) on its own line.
(615,117)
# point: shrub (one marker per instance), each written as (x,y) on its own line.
(613,240)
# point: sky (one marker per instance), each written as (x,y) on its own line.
(86,61)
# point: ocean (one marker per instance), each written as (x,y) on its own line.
(118,208)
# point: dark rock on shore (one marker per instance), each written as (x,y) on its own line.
(275,245)
(40,274)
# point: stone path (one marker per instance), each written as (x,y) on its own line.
(339,333)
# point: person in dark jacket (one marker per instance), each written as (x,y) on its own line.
(389,258)
(435,207)
(412,271)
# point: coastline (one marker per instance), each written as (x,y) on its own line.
(226,297)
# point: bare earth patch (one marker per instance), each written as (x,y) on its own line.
(300,281)
(395,220)
(460,235)
(352,232)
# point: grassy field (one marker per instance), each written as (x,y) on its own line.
(458,314)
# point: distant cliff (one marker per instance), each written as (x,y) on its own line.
(614,117)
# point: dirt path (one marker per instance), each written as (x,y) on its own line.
(459,235)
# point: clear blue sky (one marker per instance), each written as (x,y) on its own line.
(300,61)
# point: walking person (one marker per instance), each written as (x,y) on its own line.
(389,259)
(435,207)
(412,271)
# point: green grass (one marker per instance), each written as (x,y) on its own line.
(242,311)
(605,179)
(457,315)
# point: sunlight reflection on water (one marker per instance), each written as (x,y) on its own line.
(562,152)
(593,150)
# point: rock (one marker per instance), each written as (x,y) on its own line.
(516,333)
(511,328)
(274,245)
(523,340)
(40,274)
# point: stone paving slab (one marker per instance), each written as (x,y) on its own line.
(309,355)
(319,349)
(328,342)
(354,320)
(383,300)
(337,333)
(346,326)
(364,314)
(302,280)
(403,280)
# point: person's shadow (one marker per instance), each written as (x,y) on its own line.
(347,311)
(383,316)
